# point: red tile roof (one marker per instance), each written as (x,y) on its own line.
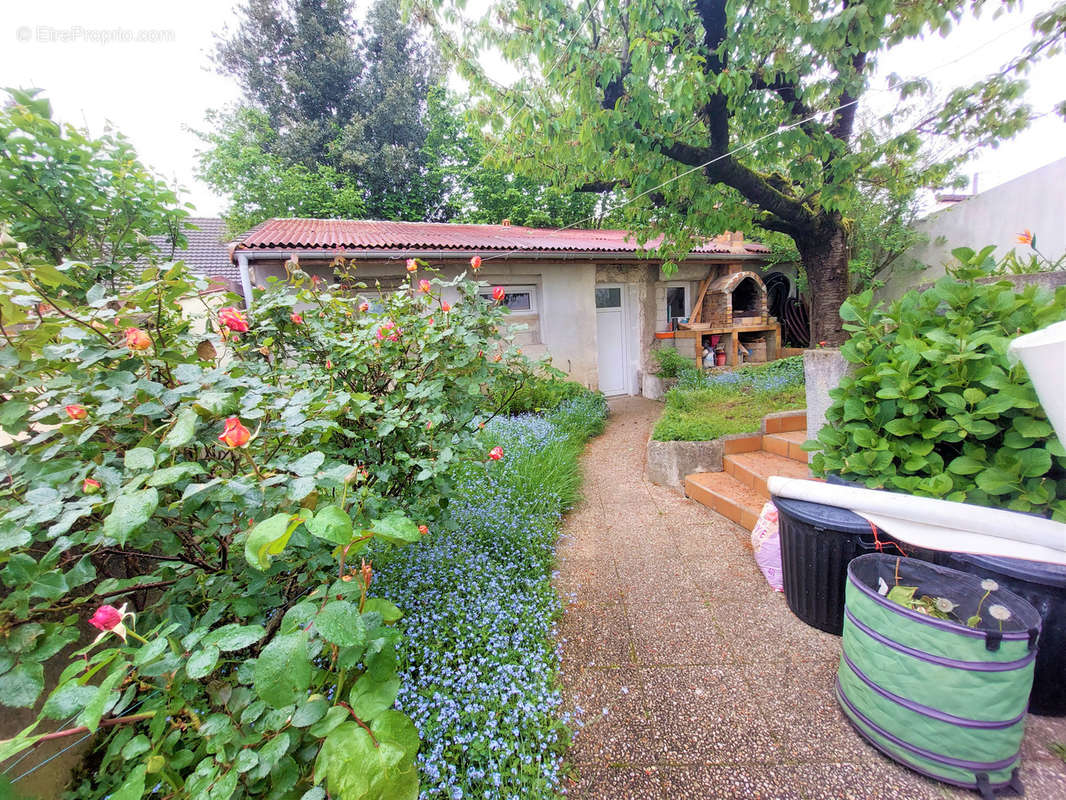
(283,234)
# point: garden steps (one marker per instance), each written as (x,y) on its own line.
(788,444)
(739,492)
(754,469)
(723,493)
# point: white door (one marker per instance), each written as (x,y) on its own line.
(611,338)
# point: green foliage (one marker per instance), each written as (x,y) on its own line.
(243,663)
(718,115)
(333,120)
(670,363)
(935,407)
(1031,263)
(72,197)
(701,407)
(541,391)
(240,161)
(473,190)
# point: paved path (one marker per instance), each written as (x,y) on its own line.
(694,679)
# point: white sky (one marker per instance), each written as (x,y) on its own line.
(153,91)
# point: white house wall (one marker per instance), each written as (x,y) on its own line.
(564,323)
(1035,201)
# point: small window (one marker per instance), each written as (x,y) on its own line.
(609,297)
(520,299)
(676,303)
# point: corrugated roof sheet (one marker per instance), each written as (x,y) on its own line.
(282,234)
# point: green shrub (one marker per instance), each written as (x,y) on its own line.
(239,474)
(535,393)
(671,364)
(936,408)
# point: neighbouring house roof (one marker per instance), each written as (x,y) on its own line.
(328,234)
(208,249)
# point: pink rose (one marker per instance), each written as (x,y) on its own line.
(106,618)
(233,319)
(496,453)
(76,412)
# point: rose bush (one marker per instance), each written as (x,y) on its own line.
(219,489)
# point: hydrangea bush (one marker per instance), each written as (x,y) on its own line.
(935,406)
(480,661)
(206,501)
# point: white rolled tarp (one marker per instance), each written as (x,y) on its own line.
(938,524)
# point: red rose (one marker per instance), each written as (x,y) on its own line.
(498,294)
(496,453)
(233,319)
(136,339)
(89,486)
(76,412)
(475,263)
(234,434)
(423,529)
(296,318)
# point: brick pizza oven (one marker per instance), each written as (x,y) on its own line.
(735,298)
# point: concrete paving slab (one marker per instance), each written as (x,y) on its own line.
(693,677)
(616,725)
(706,715)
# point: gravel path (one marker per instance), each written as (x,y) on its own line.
(692,677)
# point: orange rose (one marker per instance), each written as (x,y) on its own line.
(423,286)
(412,265)
(234,434)
(136,339)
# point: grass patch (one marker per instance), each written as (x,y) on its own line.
(705,407)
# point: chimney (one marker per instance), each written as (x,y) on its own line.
(506,223)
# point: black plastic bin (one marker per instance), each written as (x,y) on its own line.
(817,544)
(1044,587)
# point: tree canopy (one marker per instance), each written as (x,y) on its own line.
(73,197)
(722,114)
(327,103)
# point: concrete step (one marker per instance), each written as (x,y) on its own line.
(723,493)
(785,421)
(753,469)
(787,444)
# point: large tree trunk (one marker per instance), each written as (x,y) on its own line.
(825,260)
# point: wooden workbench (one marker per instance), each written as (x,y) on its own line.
(772,334)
